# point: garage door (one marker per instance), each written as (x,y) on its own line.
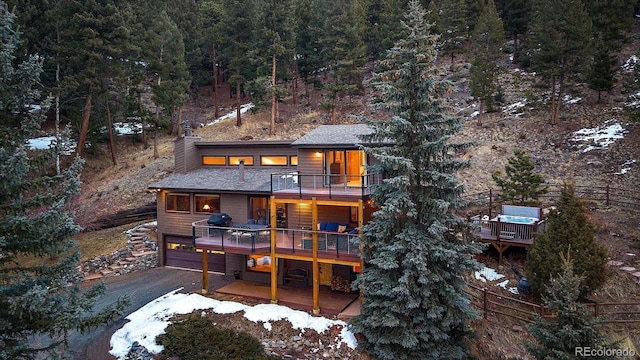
(181,253)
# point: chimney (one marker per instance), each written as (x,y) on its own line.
(187,129)
(241,172)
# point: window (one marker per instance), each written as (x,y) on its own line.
(346,167)
(214,160)
(178,203)
(207,203)
(273,160)
(294,160)
(235,160)
(259,263)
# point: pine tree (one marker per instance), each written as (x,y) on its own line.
(568,229)
(414,250)
(39,283)
(572,326)
(515,15)
(454,26)
(488,41)
(522,185)
(560,40)
(603,69)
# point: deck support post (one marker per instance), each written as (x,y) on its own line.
(274,261)
(314,254)
(205,271)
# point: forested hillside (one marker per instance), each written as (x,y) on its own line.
(151,64)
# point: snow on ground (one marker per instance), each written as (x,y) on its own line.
(625,167)
(488,274)
(599,137)
(515,108)
(630,63)
(568,99)
(152,319)
(45,142)
(243,109)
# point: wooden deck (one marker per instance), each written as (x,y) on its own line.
(296,243)
(502,243)
(333,193)
(299,298)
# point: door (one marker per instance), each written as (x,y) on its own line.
(326,273)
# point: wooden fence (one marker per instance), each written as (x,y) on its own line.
(594,196)
(490,302)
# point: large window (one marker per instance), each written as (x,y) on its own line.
(346,167)
(214,160)
(235,160)
(178,202)
(293,160)
(207,203)
(273,160)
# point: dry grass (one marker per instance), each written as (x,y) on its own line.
(96,243)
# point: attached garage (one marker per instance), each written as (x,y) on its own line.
(179,252)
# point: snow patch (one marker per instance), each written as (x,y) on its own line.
(243,109)
(488,274)
(152,319)
(631,62)
(625,167)
(599,137)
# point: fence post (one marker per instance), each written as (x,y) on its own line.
(485,303)
(607,201)
(490,202)
(596,309)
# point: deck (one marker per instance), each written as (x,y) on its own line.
(336,246)
(328,193)
(503,235)
(300,298)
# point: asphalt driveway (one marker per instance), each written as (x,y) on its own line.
(141,287)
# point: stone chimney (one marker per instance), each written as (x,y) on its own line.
(241,172)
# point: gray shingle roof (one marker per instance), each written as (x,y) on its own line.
(332,135)
(256,179)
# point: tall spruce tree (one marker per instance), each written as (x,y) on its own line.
(603,69)
(454,26)
(414,250)
(568,229)
(572,327)
(515,15)
(39,283)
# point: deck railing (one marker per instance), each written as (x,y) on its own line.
(330,183)
(330,244)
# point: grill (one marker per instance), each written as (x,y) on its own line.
(219,219)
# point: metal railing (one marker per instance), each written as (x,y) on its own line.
(330,183)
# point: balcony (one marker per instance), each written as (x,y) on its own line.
(240,239)
(338,187)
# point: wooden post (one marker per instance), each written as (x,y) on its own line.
(485,303)
(607,203)
(314,254)
(360,224)
(205,271)
(490,202)
(274,261)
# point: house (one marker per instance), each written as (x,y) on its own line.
(296,208)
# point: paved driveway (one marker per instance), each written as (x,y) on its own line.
(142,287)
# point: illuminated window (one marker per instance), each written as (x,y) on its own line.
(294,160)
(259,263)
(214,160)
(235,160)
(273,160)
(207,203)
(178,203)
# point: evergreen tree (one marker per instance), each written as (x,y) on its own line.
(413,250)
(603,69)
(488,41)
(522,185)
(309,30)
(560,40)
(515,15)
(611,19)
(568,229)
(345,53)
(454,26)
(39,283)
(383,17)
(433,17)
(572,326)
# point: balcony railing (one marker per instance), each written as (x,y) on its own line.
(324,183)
(288,241)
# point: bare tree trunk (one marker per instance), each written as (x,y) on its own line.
(515,48)
(216,102)
(112,146)
(57,118)
(333,110)
(180,126)
(238,118)
(553,100)
(155,144)
(294,83)
(480,113)
(145,138)
(272,128)
(84,129)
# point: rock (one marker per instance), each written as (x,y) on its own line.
(138,352)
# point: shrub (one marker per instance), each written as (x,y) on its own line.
(195,337)
(521,185)
(568,227)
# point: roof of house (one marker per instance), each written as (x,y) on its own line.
(334,135)
(227,179)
